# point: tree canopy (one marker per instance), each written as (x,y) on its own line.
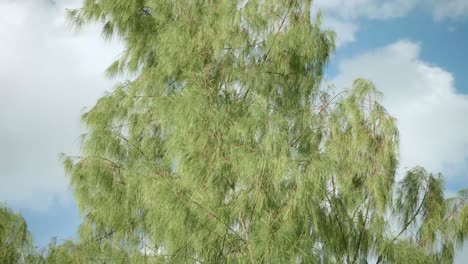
(227,147)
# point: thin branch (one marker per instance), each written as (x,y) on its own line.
(455,209)
(146,11)
(133,145)
(337,220)
(247,237)
(362,230)
(247,46)
(278,31)
(212,214)
(83,158)
(323,107)
(404,228)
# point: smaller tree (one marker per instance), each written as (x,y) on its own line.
(15,239)
(70,252)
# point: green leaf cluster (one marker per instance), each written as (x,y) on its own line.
(15,239)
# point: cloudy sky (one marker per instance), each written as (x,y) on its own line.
(413,50)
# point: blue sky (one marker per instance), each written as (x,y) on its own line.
(414,50)
(443,43)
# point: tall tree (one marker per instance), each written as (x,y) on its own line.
(227,148)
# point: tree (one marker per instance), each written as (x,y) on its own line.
(16,246)
(227,148)
(71,252)
(15,239)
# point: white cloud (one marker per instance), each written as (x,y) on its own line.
(344,15)
(449,9)
(372,9)
(431,115)
(49,73)
(345,30)
(384,9)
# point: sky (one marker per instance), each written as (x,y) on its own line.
(413,50)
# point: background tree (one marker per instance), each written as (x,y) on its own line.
(226,147)
(73,252)
(15,239)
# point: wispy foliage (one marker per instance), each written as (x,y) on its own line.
(15,239)
(226,148)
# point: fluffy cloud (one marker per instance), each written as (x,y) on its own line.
(49,73)
(431,114)
(449,9)
(345,30)
(343,15)
(372,9)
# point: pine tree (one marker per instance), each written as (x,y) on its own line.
(227,148)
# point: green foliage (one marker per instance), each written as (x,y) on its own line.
(15,239)
(70,252)
(226,147)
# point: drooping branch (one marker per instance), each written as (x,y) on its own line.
(405,227)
